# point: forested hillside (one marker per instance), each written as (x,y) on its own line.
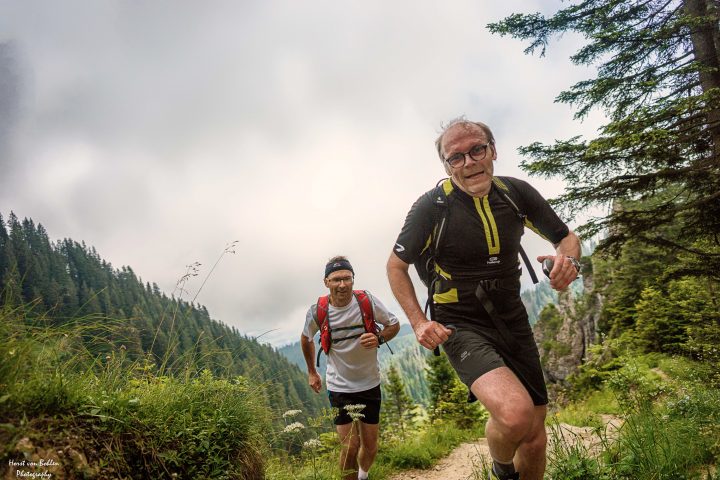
(65,281)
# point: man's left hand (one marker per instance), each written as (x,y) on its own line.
(369,340)
(563,272)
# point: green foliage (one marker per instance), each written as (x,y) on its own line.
(663,317)
(67,284)
(399,409)
(454,407)
(536,298)
(549,322)
(440,378)
(658,82)
(130,422)
(588,411)
(420,450)
(670,429)
(569,458)
(423,449)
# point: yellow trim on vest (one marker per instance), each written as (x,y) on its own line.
(447,186)
(532,227)
(491,232)
(442,272)
(427,244)
(451,296)
(500,184)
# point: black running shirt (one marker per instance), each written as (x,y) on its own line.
(482,236)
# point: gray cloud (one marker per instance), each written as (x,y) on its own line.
(160,131)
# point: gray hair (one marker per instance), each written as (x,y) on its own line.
(468,124)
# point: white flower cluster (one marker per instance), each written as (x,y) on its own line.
(313,443)
(293,427)
(292,413)
(354,411)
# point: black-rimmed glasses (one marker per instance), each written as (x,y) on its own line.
(477,153)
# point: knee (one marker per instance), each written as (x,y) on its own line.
(370,447)
(536,443)
(515,422)
(351,443)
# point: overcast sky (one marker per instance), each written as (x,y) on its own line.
(159,132)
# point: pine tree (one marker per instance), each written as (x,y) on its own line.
(658,82)
(440,376)
(400,407)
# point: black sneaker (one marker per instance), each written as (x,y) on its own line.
(494,476)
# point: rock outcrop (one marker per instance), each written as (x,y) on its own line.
(565,331)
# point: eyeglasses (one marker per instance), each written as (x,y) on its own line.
(477,153)
(339,280)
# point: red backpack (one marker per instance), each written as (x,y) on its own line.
(320,314)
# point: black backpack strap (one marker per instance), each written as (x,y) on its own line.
(441,200)
(499,184)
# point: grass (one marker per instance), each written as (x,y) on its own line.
(104,416)
(670,430)
(424,446)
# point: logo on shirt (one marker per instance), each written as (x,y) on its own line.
(399,248)
(493,261)
(464,355)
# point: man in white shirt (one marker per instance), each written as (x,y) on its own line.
(347,320)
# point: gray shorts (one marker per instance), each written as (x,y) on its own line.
(473,351)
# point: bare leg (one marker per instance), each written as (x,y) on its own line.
(530,457)
(512,421)
(368,444)
(350,442)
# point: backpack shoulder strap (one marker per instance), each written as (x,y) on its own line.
(320,314)
(507,191)
(366,310)
(441,200)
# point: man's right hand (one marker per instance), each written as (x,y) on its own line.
(315,382)
(431,334)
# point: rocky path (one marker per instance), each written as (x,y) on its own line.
(465,462)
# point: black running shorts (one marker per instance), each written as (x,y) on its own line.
(370,398)
(477,347)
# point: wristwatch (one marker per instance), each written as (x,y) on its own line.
(380,338)
(575,263)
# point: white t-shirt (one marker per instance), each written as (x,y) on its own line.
(350,367)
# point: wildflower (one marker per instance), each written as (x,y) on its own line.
(312,443)
(293,427)
(292,413)
(354,408)
(354,411)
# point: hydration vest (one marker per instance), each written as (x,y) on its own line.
(426,263)
(320,315)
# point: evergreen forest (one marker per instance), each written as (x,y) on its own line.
(62,283)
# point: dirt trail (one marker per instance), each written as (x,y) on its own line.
(459,465)
(464,463)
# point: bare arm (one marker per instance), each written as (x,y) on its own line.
(389,332)
(429,334)
(563,272)
(308,349)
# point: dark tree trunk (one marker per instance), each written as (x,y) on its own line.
(706,48)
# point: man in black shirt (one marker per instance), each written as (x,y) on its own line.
(477,294)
